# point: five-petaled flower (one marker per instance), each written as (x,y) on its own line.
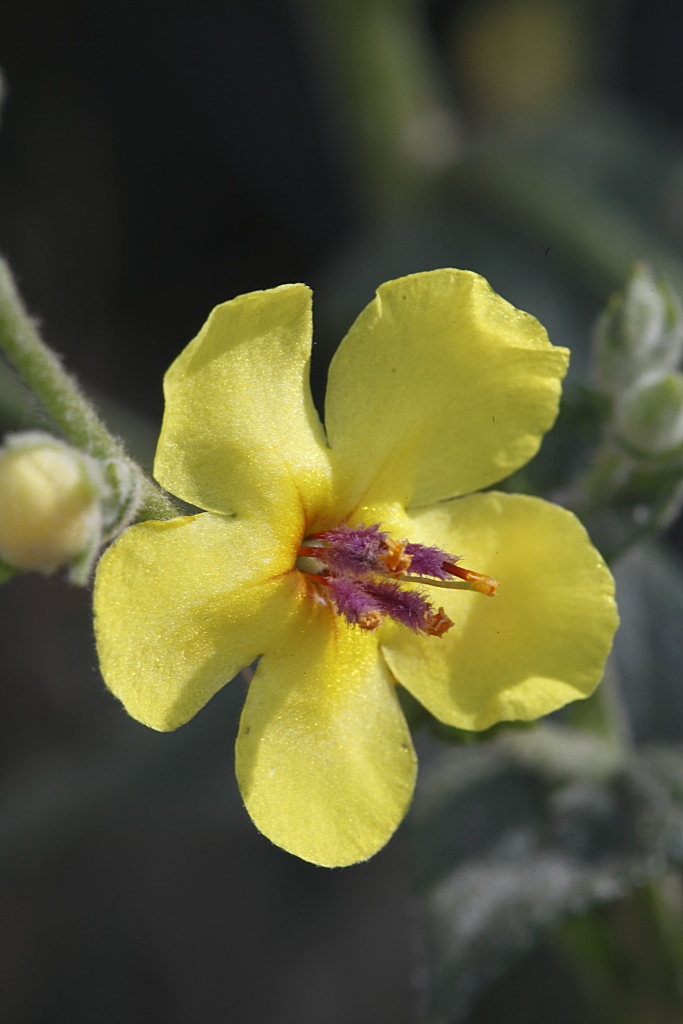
(312,538)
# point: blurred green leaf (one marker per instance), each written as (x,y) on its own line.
(666,766)
(628,954)
(507,845)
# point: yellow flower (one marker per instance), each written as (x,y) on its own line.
(440,388)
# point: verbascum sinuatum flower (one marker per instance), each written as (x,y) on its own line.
(321,547)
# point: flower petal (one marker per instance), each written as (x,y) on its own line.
(539,643)
(325,763)
(440,387)
(182,606)
(240,432)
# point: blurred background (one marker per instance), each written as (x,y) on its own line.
(159,158)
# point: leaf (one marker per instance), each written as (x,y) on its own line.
(508,844)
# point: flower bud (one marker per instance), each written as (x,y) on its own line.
(640,333)
(49,503)
(649,419)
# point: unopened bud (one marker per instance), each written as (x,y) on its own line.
(49,503)
(649,419)
(639,334)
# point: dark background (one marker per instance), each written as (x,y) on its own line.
(156,159)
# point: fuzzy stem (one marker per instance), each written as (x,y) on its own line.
(70,411)
(154,504)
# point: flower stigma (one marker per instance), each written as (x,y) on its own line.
(360,571)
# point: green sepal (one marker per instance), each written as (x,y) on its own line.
(648,419)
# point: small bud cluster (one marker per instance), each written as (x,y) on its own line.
(638,349)
(633,486)
(360,571)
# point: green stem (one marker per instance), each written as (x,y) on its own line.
(383,79)
(70,411)
(154,503)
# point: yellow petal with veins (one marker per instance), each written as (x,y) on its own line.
(441,387)
(325,763)
(539,643)
(182,606)
(240,432)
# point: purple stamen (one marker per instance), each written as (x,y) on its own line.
(352,600)
(366,602)
(409,607)
(428,561)
(358,566)
(355,551)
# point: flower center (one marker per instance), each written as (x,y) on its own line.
(360,571)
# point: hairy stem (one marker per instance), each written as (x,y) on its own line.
(57,391)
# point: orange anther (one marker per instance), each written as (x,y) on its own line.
(436,623)
(484,584)
(370,620)
(395,557)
